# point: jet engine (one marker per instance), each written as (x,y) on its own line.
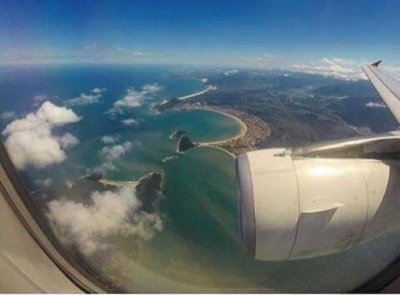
(319,200)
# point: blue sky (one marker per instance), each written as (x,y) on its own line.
(241,33)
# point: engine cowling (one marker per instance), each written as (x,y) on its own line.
(293,207)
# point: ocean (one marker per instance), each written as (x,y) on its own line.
(198,247)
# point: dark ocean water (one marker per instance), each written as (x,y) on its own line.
(199,246)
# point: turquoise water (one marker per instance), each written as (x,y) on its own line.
(199,247)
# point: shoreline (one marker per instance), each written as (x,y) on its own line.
(242,131)
(217,148)
(253,130)
(209,88)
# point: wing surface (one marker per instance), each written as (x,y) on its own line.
(387,87)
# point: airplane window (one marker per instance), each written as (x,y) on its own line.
(203,147)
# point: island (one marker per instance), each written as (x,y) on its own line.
(184,144)
(148,190)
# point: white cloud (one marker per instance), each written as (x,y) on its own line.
(8,115)
(86,99)
(141,53)
(151,88)
(106,166)
(266,57)
(129,122)
(69,184)
(231,72)
(111,153)
(40,98)
(91,46)
(393,70)
(88,226)
(98,90)
(83,99)
(333,67)
(372,104)
(29,141)
(134,98)
(67,140)
(44,182)
(106,139)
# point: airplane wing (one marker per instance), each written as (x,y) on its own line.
(387,87)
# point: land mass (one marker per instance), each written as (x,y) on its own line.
(288,109)
(148,187)
(148,190)
(184,144)
(253,130)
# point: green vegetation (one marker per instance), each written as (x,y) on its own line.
(299,108)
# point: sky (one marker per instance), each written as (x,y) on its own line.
(269,33)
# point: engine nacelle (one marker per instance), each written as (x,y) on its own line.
(293,207)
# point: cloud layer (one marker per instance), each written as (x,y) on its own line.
(67,141)
(134,98)
(231,72)
(332,67)
(29,141)
(129,122)
(86,99)
(372,104)
(88,226)
(108,139)
(111,153)
(6,116)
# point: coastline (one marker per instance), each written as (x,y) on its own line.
(242,132)
(253,130)
(209,88)
(216,147)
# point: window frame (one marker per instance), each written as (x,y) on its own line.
(15,193)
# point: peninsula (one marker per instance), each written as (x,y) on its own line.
(209,88)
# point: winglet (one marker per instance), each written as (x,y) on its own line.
(386,86)
(376,64)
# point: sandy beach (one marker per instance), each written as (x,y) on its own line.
(252,132)
(242,132)
(209,88)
